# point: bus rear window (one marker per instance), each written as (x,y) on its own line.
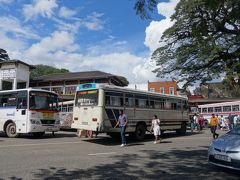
(87,98)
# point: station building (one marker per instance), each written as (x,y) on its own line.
(65,83)
(15,74)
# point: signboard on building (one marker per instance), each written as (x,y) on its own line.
(7,73)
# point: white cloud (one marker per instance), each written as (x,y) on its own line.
(44,8)
(93,21)
(66,12)
(58,41)
(12,25)
(11,44)
(156,28)
(60,50)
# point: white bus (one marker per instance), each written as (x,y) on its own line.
(66,114)
(219,109)
(28,111)
(97,108)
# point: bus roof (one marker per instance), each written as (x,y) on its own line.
(28,89)
(220,104)
(122,89)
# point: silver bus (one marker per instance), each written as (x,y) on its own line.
(97,106)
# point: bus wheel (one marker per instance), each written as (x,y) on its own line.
(38,134)
(11,130)
(140,131)
(183,129)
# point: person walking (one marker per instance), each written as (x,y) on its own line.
(235,121)
(192,126)
(196,121)
(201,122)
(230,122)
(122,122)
(156,129)
(213,125)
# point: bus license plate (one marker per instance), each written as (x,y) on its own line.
(222,157)
(84,123)
(47,115)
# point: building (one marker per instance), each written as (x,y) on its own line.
(65,83)
(14,74)
(163,87)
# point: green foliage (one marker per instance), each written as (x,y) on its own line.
(4,55)
(203,43)
(144,8)
(123,79)
(45,70)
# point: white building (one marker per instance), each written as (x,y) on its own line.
(16,73)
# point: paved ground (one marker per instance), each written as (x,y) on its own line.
(66,156)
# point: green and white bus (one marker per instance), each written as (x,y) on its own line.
(97,106)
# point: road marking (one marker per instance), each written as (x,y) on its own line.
(106,153)
(39,144)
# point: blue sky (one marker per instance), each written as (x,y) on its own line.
(83,35)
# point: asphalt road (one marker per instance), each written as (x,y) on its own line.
(66,156)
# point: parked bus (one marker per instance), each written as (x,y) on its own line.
(28,111)
(219,109)
(97,108)
(66,114)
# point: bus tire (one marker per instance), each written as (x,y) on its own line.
(11,130)
(38,134)
(183,129)
(140,131)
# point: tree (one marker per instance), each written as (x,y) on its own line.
(45,70)
(4,55)
(203,43)
(144,8)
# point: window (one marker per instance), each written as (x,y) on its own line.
(162,90)
(69,90)
(226,108)
(87,98)
(168,104)
(204,110)
(8,100)
(199,110)
(58,90)
(129,100)
(210,109)
(171,90)
(141,101)
(217,109)
(114,99)
(235,108)
(152,89)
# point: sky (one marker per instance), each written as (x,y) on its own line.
(85,35)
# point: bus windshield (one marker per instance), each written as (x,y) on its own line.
(87,98)
(39,100)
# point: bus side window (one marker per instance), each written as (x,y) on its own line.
(22,103)
(107,100)
(3,102)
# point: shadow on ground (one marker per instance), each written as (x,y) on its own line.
(148,164)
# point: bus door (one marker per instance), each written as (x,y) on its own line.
(21,114)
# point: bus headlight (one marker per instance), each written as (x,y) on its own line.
(33,121)
(38,122)
(57,122)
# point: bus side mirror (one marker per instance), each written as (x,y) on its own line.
(24,112)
